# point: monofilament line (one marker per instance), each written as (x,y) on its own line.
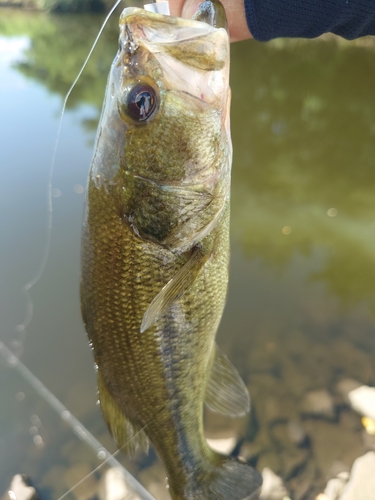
(29,306)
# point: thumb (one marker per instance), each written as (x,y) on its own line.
(190,7)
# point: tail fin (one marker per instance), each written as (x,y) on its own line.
(234,480)
(230,479)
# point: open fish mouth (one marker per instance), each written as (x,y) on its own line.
(191,53)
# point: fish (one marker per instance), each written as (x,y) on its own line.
(155,248)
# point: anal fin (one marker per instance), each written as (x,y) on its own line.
(174,289)
(126,435)
(226,392)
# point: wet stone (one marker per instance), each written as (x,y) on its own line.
(352,361)
(318,404)
(296,342)
(361,485)
(222,432)
(296,432)
(295,380)
(20,489)
(330,442)
(263,360)
(218,426)
(113,486)
(345,386)
(87,488)
(277,408)
(317,366)
(154,480)
(280,435)
(289,434)
(350,420)
(270,459)
(362,400)
(293,460)
(368,440)
(261,443)
(273,487)
(303,485)
(337,468)
(335,487)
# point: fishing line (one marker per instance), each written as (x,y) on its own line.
(21,328)
(145,493)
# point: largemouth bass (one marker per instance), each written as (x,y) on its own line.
(155,248)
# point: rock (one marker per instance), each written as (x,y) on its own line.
(20,489)
(273,487)
(330,443)
(347,358)
(296,432)
(316,363)
(83,490)
(154,480)
(362,400)
(277,408)
(368,440)
(114,486)
(345,386)
(361,485)
(271,460)
(224,446)
(296,342)
(350,420)
(293,460)
(294,378)
(288,434)
(262,443)
(263,360)
(303,484)
(335,486)
(222,432)
(318,404)
(218,426)
(337,469)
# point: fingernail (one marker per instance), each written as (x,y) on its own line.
(190,7)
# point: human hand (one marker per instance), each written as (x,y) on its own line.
(234,9)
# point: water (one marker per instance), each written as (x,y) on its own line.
(300,311)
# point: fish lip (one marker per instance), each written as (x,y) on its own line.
(199,28)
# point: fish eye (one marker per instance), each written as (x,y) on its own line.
(139,102)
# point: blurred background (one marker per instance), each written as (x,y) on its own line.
(299,320)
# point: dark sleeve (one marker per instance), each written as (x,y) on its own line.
(350,19)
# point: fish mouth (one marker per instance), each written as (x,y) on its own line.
(160,28)
(193,56)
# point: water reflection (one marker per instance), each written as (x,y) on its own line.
(300,307)
(303,122)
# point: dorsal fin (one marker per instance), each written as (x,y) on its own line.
(226,392)
(176,287)
(126,435)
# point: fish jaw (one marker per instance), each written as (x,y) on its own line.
(180,156)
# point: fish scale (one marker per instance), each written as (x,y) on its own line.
(155,251)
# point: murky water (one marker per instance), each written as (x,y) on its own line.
(300,312)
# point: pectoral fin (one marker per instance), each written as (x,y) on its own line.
(226,392)
(174,289)
(126,435)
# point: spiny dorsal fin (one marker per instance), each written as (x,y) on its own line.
(226,392)
(173,290)
(126,435)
